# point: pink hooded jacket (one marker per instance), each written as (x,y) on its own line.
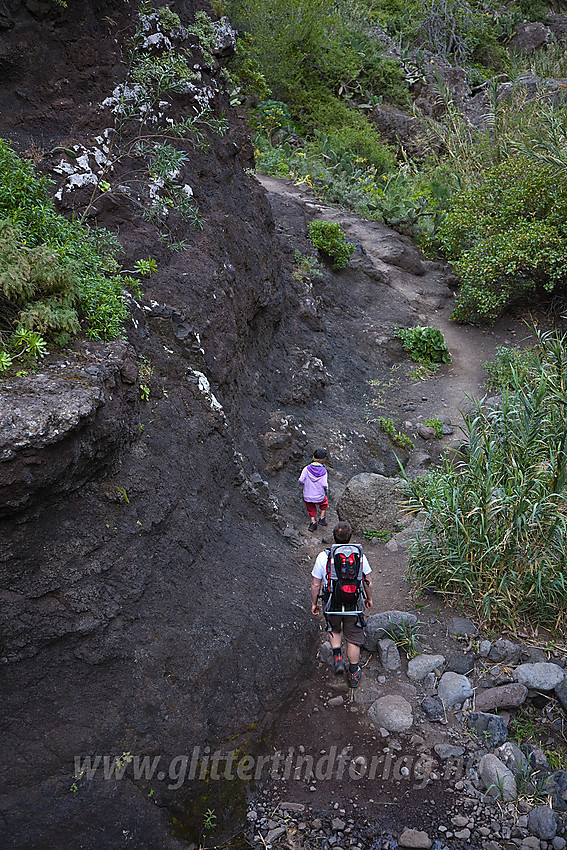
(314,480)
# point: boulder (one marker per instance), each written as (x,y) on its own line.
(505,696)
(497,779)
(453,689)
(529,36)
(543,822)
(370,501)
(542,676)
(490,728)
(421,665)
(378,625)
(392,712)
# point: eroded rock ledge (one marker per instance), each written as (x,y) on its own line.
(62,425)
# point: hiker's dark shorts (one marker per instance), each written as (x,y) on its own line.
(348,626)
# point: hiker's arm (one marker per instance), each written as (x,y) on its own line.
(315,588)
(368,590)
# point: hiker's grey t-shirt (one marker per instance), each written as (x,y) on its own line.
(320,568)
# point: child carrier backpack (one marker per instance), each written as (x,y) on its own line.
(343,592)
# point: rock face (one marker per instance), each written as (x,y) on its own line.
(370,501)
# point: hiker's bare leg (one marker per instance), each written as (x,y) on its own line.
(335,640)
(353,652)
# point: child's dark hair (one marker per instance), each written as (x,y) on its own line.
(320,454)
(342,532)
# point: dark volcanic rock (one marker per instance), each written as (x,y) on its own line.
(61,427)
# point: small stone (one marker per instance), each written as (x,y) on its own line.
(433,708)
(460,662)
(530,843)
(336,701)
(559,843)
(484,648)
(504,650)
(490,728)
(389,654)
(463,834)
(512,757)
(274,834)
(326,653)
(293,807)
(338,825)
(448,751)
(426,432)
(393,712)
(459,821)
(414,838)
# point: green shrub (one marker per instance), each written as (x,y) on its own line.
(507,238)
(74,268)
(496,533)
(424,345)
(329,238)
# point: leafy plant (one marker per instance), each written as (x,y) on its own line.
(406,636)
(399,439)
(306,267)
(329,238)
(382,534)
(424,344)
(436,424)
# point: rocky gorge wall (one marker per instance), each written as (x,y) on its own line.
(138,604)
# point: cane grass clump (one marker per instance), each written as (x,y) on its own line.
(496,534)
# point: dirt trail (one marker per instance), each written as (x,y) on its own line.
(311,724)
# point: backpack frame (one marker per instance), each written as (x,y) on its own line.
(344,567)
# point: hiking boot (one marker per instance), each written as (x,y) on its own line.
(354,677)
(313,525)
(339,665)
(323,520)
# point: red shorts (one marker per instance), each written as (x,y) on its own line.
(312,507)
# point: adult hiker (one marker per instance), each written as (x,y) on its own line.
(315,486)
(344,573)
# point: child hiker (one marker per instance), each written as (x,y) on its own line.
(315,484)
